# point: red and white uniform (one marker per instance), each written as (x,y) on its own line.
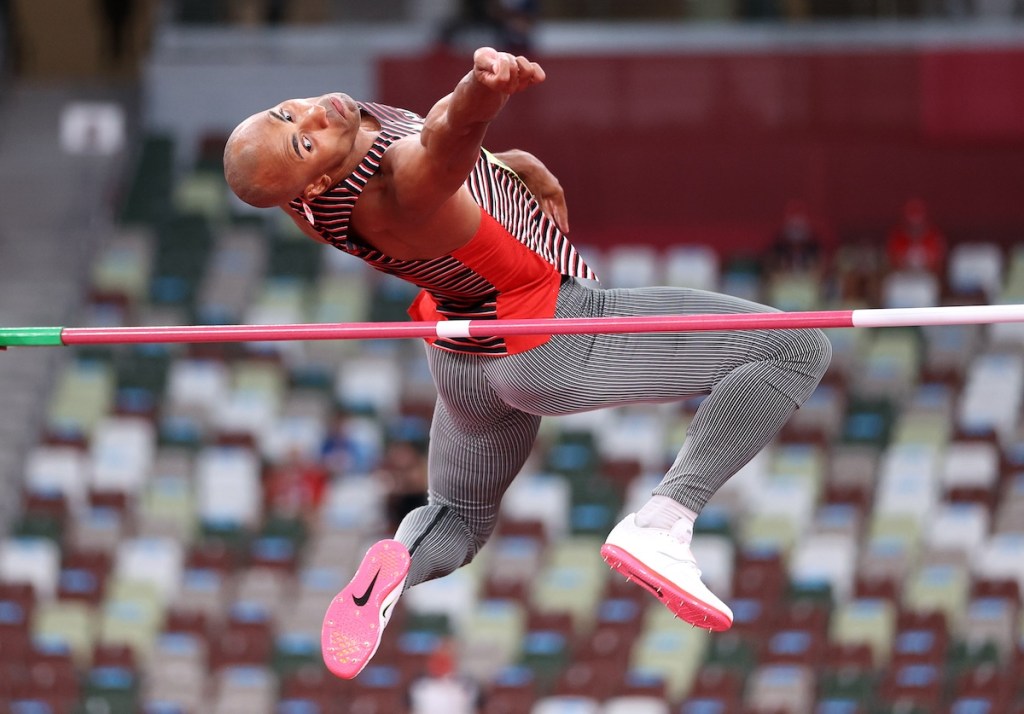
(512,268)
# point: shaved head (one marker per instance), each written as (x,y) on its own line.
(300,147)
(248,169)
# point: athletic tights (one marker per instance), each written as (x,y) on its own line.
(489,408)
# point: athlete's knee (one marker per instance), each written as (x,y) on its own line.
(816,351)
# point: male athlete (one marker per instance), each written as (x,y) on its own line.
(483,235)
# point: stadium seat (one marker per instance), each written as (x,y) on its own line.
(975,267)
(781,687)
(693,266)
(865,621)
(632,265)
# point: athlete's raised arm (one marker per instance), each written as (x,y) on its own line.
(427,172)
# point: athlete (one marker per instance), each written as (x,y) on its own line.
(484,236)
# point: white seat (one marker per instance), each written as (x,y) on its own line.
(228,486)
(976,266)
(1001,558)
(301,434)
(62,469)
(959,527)
(782,687)
(491,637)
(122,451)
(909,289)
(635,705)
(357,502)
(908,483)
(716,556)
(453,595)
(693,266)
(31,560)
(373,383)
(636,433)
(630,266)
(198,383)
(993,395)
(540,497)
(566,705)
(158,561)
(970,464)
(829,558)
(244,690)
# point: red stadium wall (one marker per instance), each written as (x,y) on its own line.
(710,147)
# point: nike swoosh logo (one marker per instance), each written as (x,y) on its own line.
(360,601)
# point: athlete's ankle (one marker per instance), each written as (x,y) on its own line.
(668,514)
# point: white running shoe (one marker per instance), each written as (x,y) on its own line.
(356,617)
(660,562)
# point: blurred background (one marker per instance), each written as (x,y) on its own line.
(175,519)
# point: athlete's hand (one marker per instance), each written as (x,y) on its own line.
(549,192)
(543,184)
(503,72)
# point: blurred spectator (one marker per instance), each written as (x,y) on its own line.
(915,243)
(352,445)
(441,690)
(403,469)
(117,16)
(295,488)
(857,268)
(509,22)
(798,247)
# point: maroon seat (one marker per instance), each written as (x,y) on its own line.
(190,622)
(716,682)
(598,679)
(759,576)
(988,682)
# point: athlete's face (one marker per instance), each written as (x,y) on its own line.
(299,147)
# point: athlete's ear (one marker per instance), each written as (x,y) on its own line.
(317,187)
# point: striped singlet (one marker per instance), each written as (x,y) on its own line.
(511,268)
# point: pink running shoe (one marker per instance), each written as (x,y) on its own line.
(662,564)
(356,617)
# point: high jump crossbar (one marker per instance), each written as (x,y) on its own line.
(876,317)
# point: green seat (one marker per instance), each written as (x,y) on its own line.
(123,265)
(491,636)
(848,683)
(38,525)
(572,579)
(83,395)
(203,192)
(931,429)
(292,653)
(939,587)
(144,367)
(674,654)
(168,503)
(965,656)
(293,530)
(297,258)
(545,653)
(72,623)
(341,298)
(731,651)
(865,621)
(152,182)
(437,623)
(794,292)
(769,531)
(112,690)
(867,422)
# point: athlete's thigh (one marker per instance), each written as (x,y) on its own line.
(573,373)
(478,442)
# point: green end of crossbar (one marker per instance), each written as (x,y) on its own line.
(30,337)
